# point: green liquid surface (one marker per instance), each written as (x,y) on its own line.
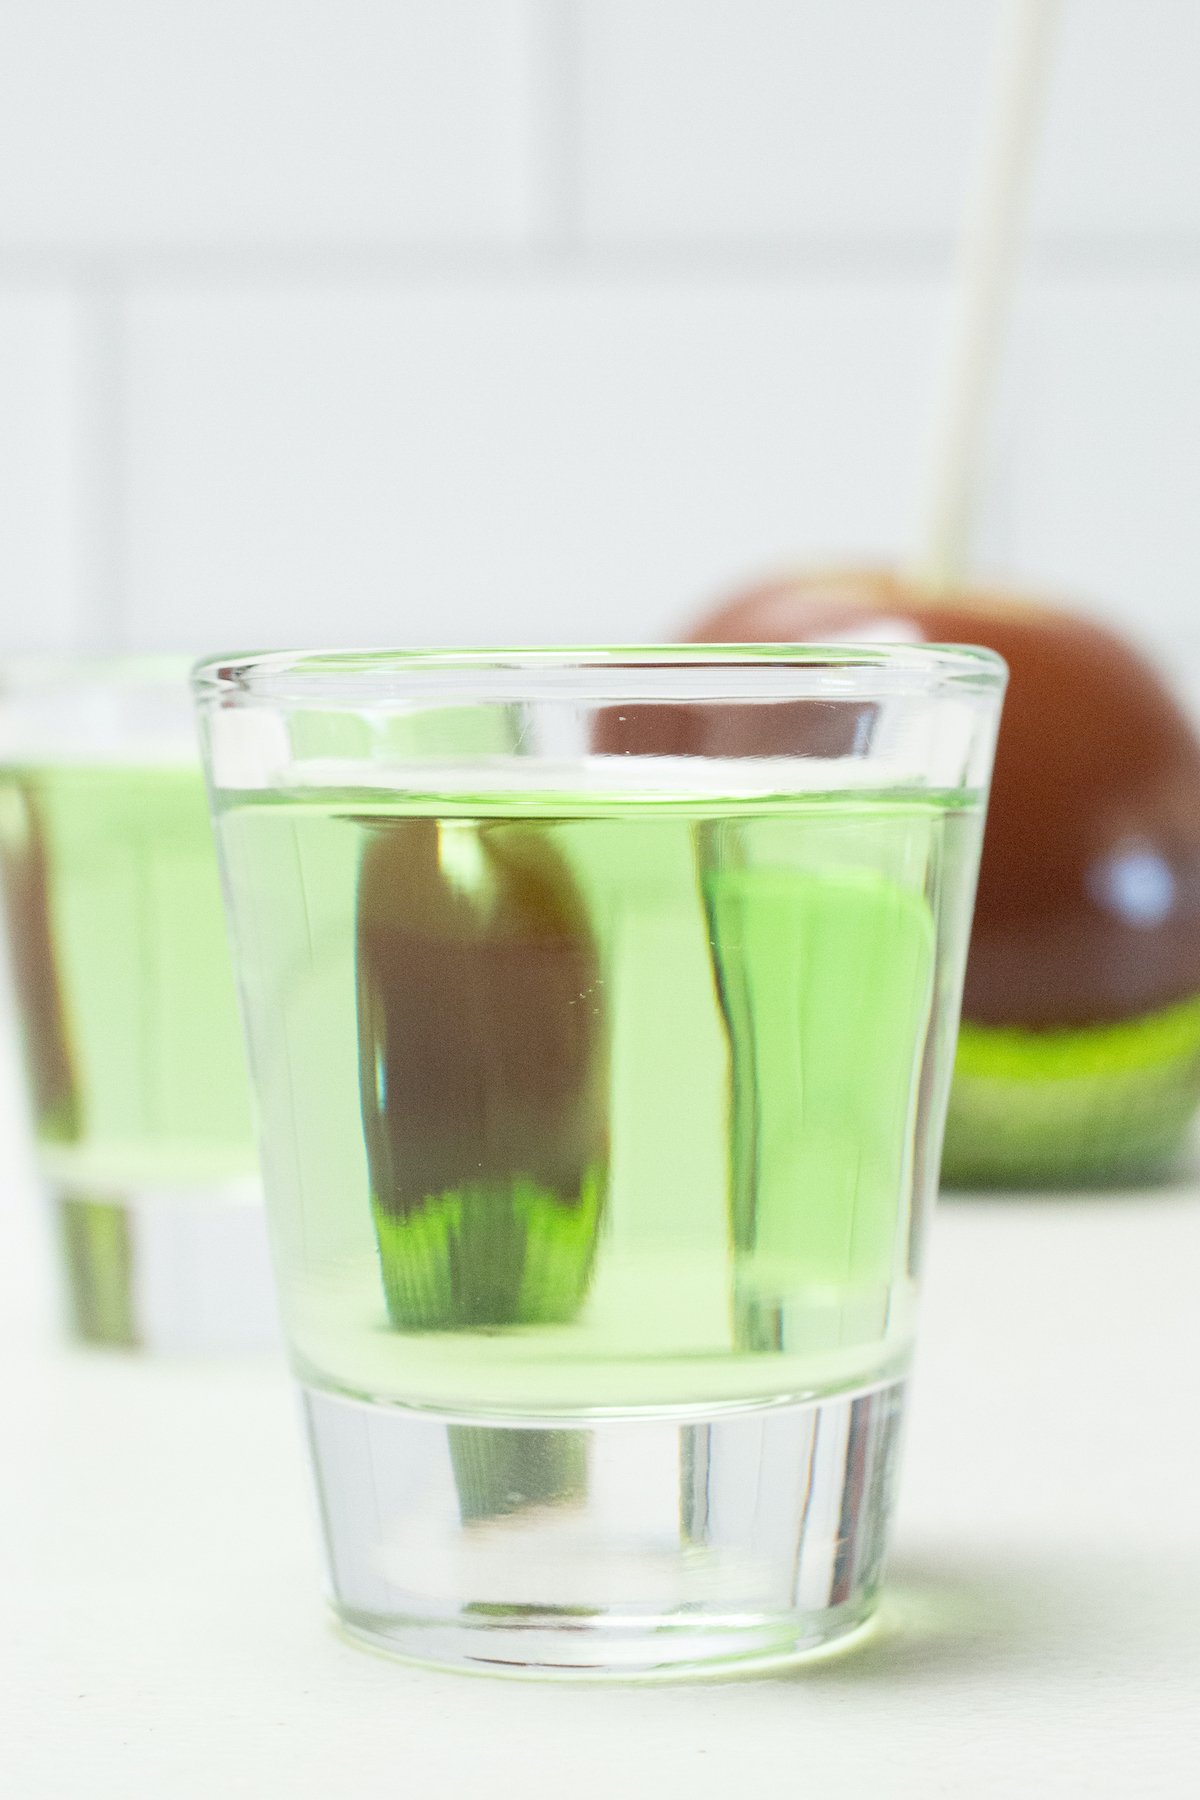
(579,1104)
(123,978)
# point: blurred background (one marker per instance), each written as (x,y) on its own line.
(454,320)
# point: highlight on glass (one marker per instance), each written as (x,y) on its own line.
(601,1008)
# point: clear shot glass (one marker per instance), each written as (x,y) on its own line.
(601,1008)
(127,1010)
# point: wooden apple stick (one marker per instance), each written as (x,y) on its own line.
(986,268)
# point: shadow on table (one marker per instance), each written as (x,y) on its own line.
(940,1619)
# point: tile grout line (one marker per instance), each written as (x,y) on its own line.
(813,257)
(101,464)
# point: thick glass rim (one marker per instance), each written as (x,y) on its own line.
(371,677)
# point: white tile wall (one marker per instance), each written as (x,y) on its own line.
(42,586)
(249,122)
(1121,150)
(331,319)
(1107,484)
(736,119)
(525,458)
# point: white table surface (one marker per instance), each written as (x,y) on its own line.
(162,1633)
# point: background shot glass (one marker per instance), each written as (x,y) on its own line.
(601,1008)
(121,973)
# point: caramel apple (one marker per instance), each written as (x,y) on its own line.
(484,1081)
(1080,1052)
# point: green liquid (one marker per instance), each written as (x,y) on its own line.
(121,966)
(575,1104)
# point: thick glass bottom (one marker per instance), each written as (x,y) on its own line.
(630,1548)
(178,1271)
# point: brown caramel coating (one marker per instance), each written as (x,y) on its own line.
(1089,890)
(481,1020)
(26,884)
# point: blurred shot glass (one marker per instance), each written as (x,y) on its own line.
(128,1021)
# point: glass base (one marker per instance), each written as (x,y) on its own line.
(629,1548)
(179,1271)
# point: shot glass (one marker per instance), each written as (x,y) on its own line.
(127,1010)
(601,1008)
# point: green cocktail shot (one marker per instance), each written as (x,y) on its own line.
(127,1010)
(601,1014)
